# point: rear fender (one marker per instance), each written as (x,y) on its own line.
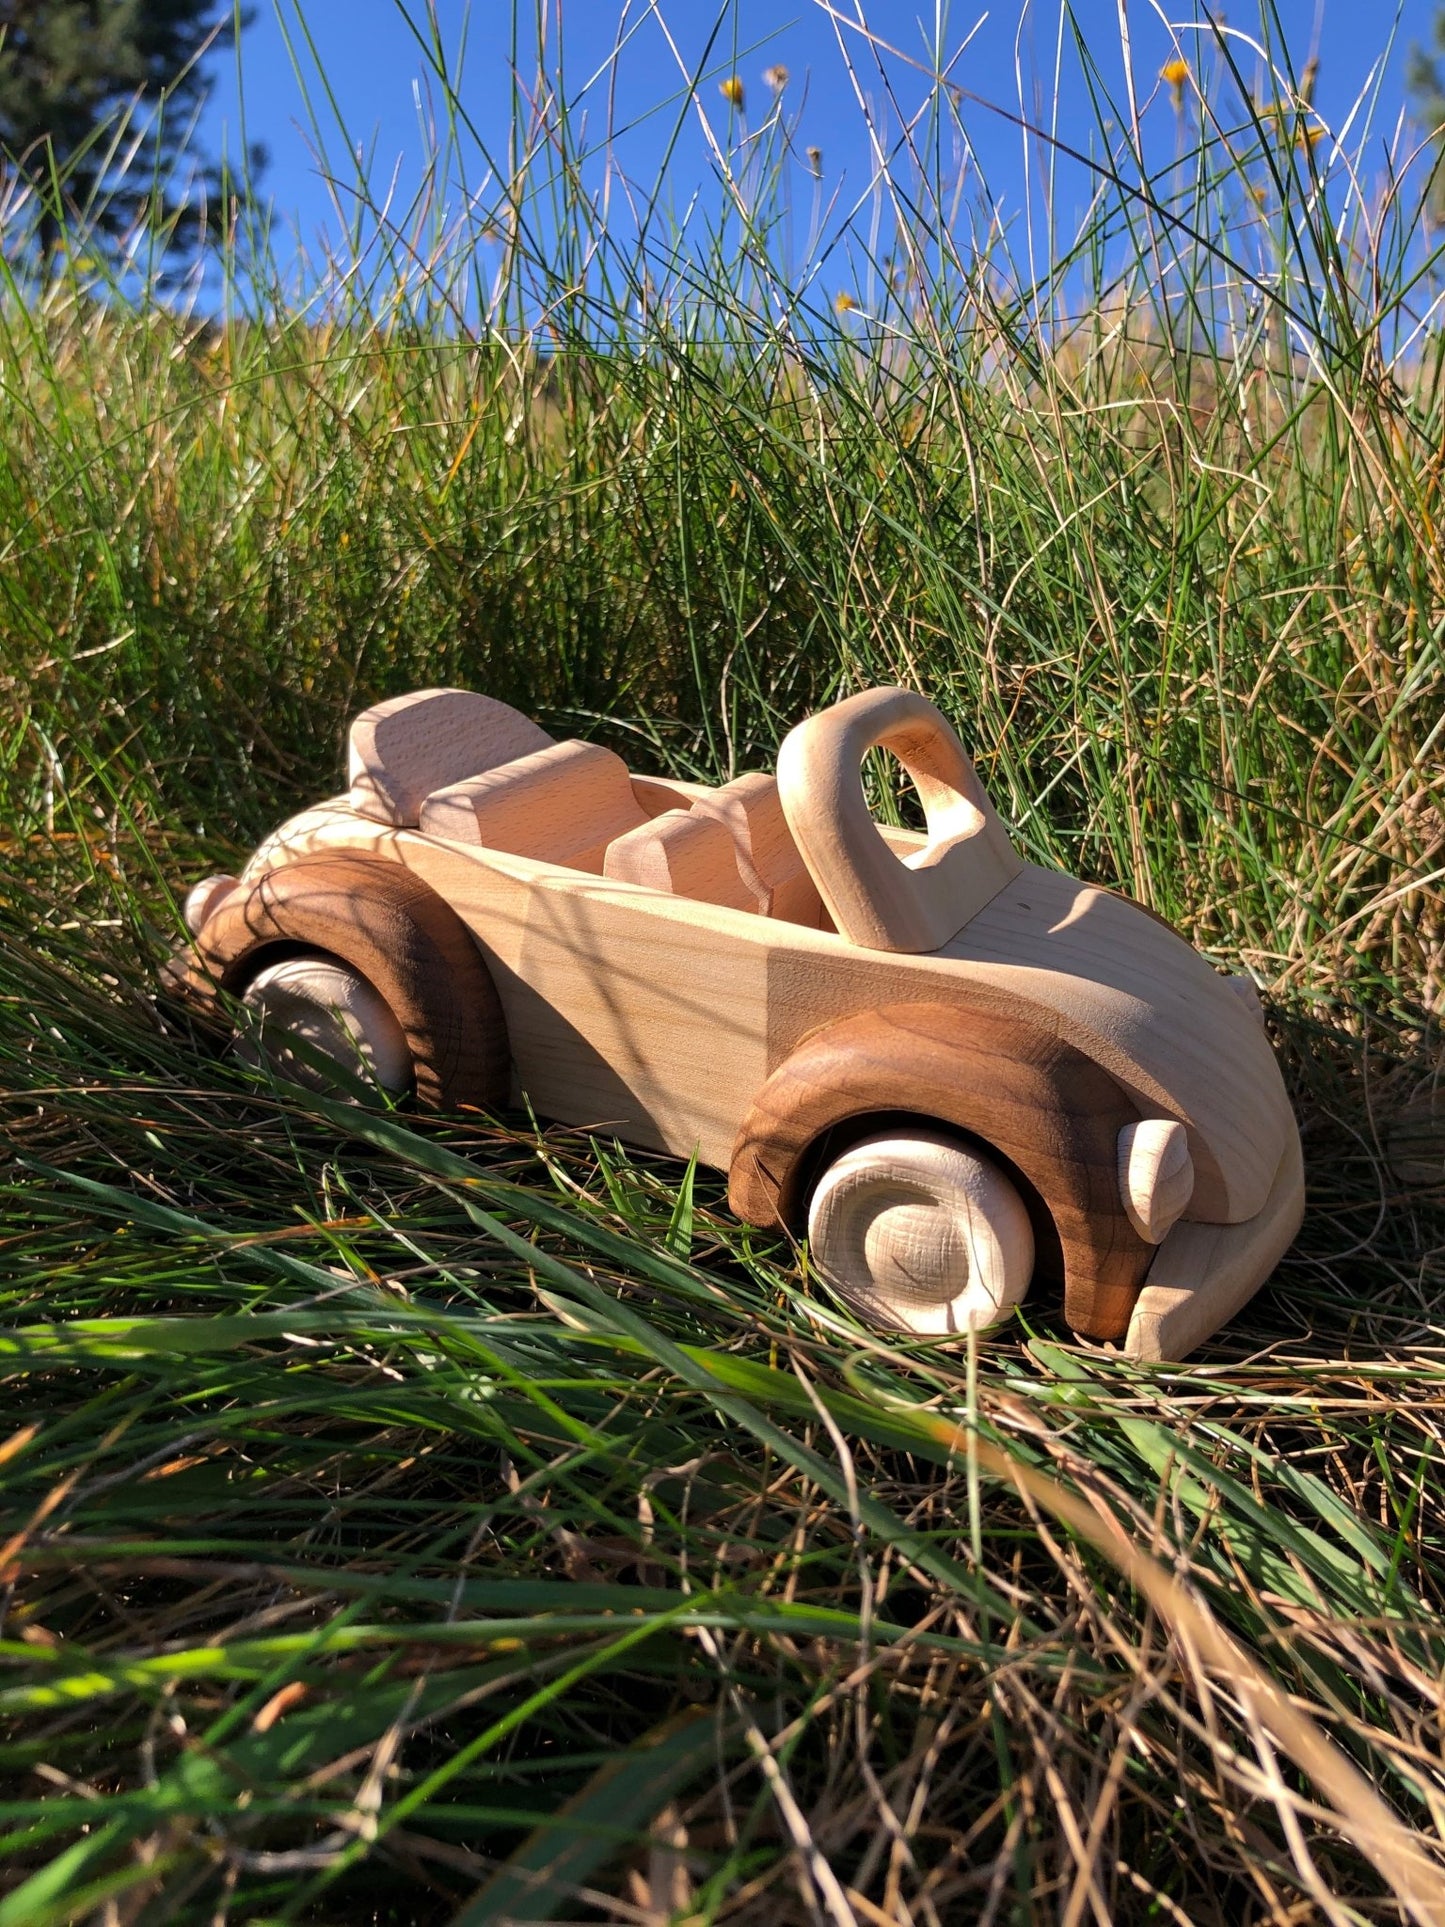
(392,928)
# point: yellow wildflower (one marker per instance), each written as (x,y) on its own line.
(1307,136)
(732,91)
(1176,72)
(844,303)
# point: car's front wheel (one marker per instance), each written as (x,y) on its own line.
(921,1232)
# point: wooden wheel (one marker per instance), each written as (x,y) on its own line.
(921,1232)
(393,936)
(876,898)
(317,1022)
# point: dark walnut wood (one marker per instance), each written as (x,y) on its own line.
(401,936)
(1041,1106)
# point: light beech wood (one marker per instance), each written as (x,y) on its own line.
(403,749)
(564,804)
(663,1016)
(768,859)
(659,793)
(876,898)
(1205,1273)
(920,1231)
(1156,1175)
(685,854)
(750,811)
(636,982)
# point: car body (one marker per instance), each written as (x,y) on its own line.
(761,976)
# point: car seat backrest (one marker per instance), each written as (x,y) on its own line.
(684,854)
(403,750)
(563,804)
(768,858)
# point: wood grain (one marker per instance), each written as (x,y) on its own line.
(875,898)
(1018,1091)
(659,793)
(563,804)
(751,807)
(1151,1010)
(627,1010)
(684,854)
(403,749)
(662,1017)
(399,935)
(918,1230)
(1156,1175)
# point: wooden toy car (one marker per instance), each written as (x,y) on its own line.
(953,1069)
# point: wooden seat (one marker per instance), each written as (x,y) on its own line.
(769,860)
(563,804)
(686,854)
(403,750)
(731,848)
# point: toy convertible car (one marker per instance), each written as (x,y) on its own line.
(953,1069)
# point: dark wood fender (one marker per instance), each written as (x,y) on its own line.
(1048,1110)
(398,933)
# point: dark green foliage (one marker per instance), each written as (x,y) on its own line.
(1426,86)
(80,81)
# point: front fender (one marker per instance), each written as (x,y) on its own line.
(1048,1110)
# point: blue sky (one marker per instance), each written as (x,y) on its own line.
(377,75)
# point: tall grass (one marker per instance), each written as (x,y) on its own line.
(469,1521)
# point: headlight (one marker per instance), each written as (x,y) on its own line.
(1156,1175)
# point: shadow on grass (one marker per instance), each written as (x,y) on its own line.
(1366,1274)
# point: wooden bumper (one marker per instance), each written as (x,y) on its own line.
(1204,1273)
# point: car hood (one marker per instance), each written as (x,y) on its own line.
(1125,987)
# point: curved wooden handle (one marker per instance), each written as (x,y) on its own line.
(878,899)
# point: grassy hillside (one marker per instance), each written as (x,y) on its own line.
(458,1520)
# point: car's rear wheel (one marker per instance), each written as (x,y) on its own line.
(921,1232)
(380,952)
(315,1021)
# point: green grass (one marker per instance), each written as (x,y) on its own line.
(436,1520)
